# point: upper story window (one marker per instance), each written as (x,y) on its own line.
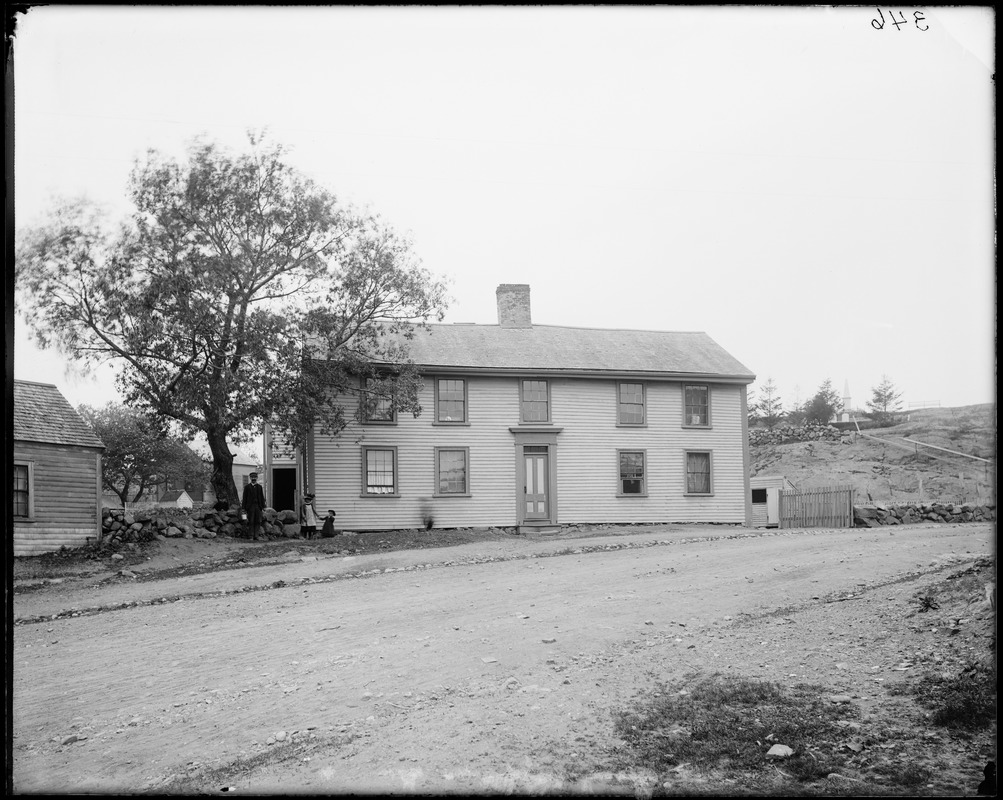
(377,405)
(699,478)
(696,405)
(630,404)
(535,401)
(21,501)
(632,480)
(450,400)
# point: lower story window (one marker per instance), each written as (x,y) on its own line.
(21,501)
(451,470)
(379,465)
(631,471)
(698,472)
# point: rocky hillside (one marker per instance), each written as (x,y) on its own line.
(888,465)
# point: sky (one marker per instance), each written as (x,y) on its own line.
(812,187)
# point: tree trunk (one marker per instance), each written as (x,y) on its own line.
(222,468)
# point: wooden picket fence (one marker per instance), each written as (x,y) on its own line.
(824,507)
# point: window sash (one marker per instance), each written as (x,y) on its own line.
(378,408)
(451,401)
(452,472)
(381,473)
(631,403)
(698,473)
(535,401)
(631,472)
(696,405)
(21,500)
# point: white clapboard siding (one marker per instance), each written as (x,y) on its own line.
(30,541)
(65,497)
(586,459)
(588,467)
(281,452)
(491,471)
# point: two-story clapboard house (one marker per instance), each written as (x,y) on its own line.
(539,425)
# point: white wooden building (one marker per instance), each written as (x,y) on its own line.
(537,425)
(765,495)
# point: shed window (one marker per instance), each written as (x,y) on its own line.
(759,495)
(630,405)
(21,500)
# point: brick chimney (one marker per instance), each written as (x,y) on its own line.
(513,305)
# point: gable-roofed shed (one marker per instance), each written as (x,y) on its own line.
(56,497)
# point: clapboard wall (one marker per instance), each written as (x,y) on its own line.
(65,497)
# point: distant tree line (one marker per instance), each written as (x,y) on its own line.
(768,409)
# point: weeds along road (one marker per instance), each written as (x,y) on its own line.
(460,667)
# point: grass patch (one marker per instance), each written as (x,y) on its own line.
(965,701)
(728,723)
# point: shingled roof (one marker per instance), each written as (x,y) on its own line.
(42,414)
(555,349)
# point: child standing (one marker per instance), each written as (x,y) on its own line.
(308,517)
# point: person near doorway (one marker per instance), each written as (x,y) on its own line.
(308,517)
(253,504)
(328,530)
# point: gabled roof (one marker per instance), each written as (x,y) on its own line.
(173,496)
(557,349)
(42,414)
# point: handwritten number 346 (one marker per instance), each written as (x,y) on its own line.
(918,17)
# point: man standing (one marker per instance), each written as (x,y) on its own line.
(253,504)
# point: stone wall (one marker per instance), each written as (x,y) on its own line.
(809,432)
(874,516)
(124,527)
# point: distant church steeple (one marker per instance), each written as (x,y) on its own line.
(844,415)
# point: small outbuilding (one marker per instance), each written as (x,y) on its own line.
(766,499)
(56,497)
(176,499)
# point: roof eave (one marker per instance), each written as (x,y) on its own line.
(35,440)
(717,377)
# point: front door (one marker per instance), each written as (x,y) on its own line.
(537,478)
(283,495)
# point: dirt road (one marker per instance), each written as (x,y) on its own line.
(474,668)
